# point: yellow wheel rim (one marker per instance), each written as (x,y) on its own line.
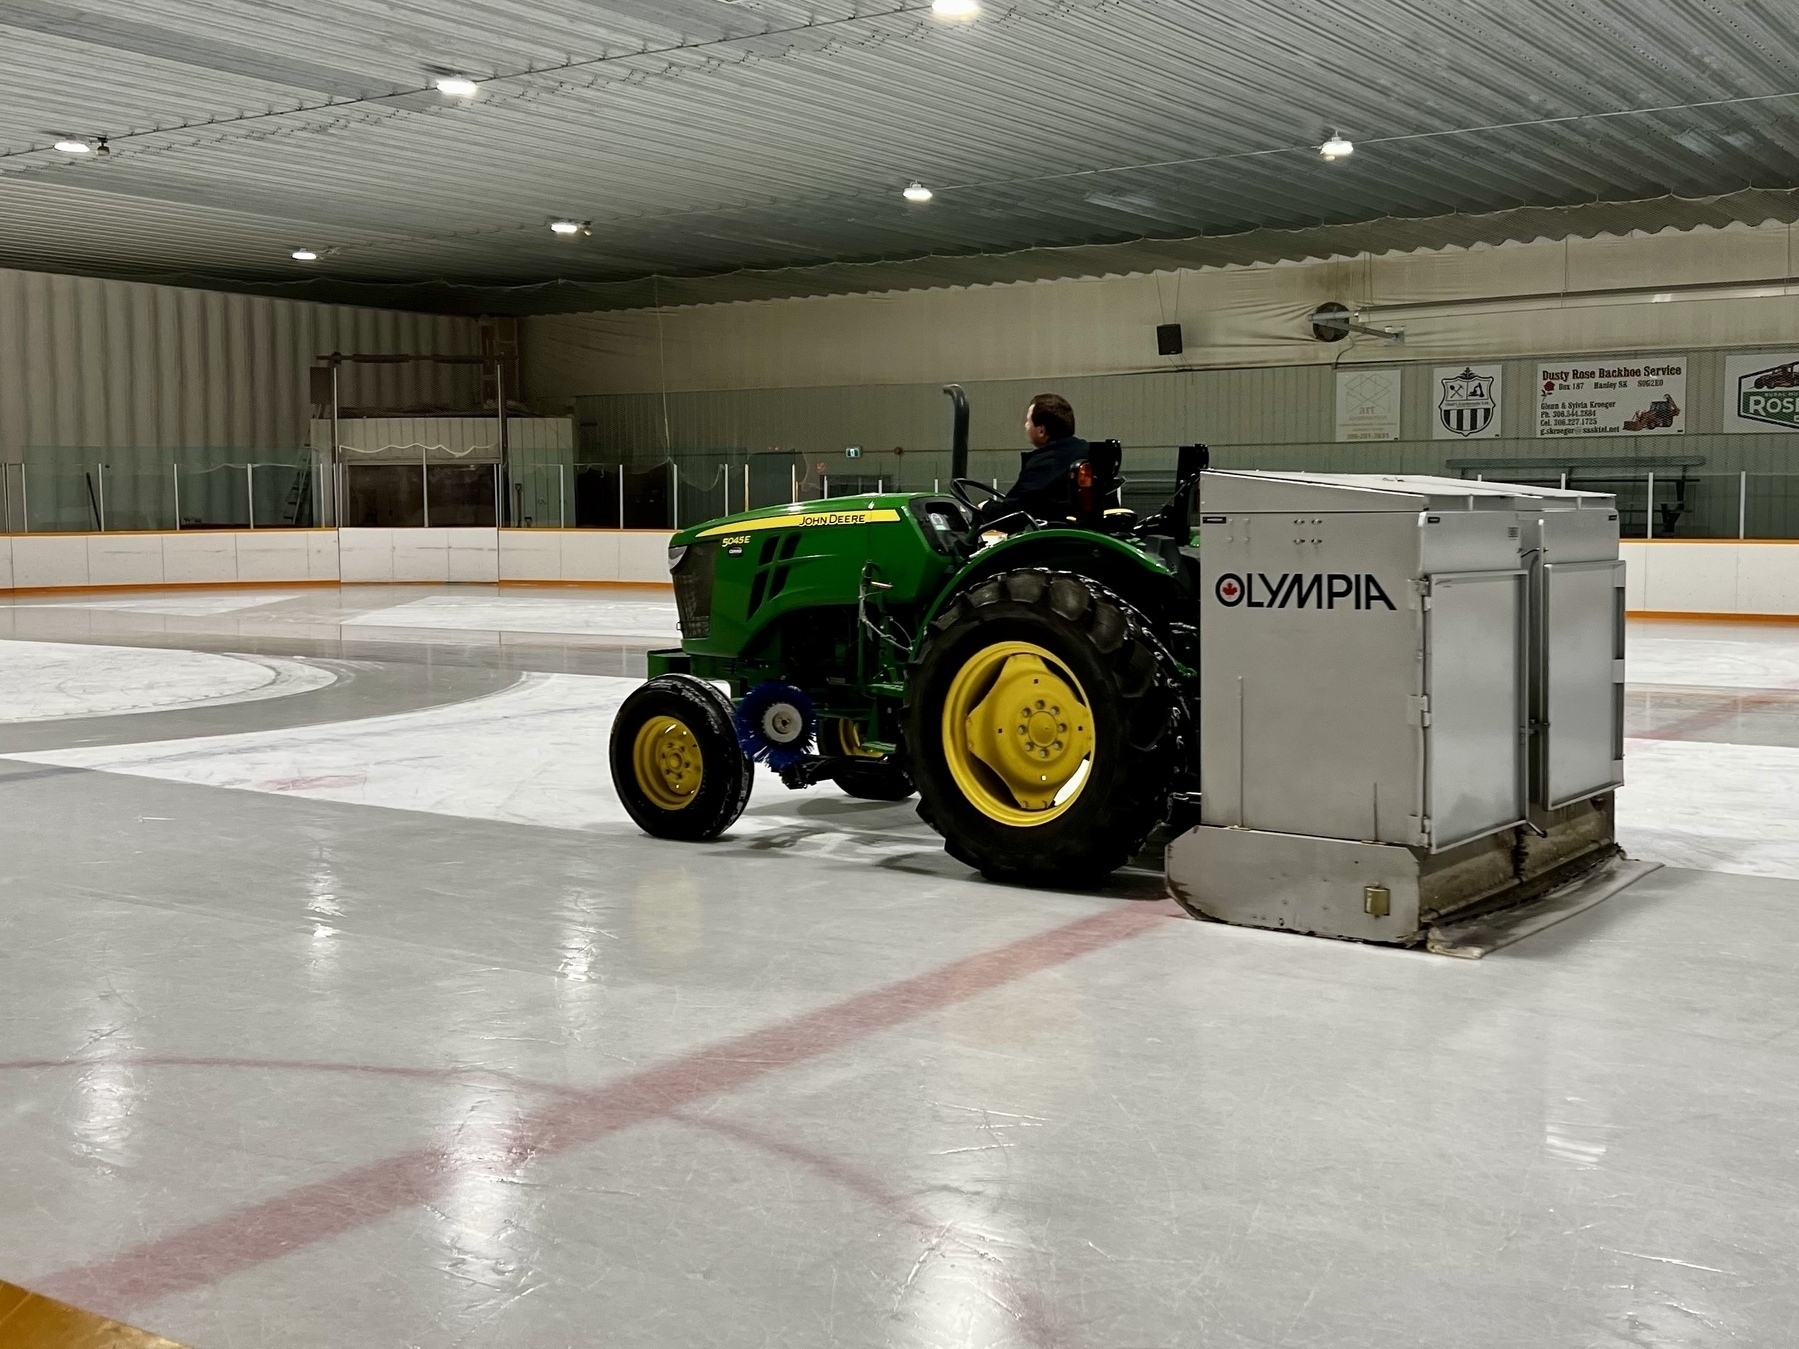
(1018,734)
(849,741)
(666,760)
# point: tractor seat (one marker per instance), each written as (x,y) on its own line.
(1096,489)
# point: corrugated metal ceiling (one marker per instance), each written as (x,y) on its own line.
(755,148)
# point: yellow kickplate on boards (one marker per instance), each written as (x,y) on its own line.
(31,1321)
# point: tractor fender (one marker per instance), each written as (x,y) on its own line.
(1141,580)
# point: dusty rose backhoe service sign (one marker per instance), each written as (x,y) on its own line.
(1613,396)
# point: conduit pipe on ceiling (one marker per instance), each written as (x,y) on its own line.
(1772,288)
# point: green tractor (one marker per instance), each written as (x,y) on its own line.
(1035,681)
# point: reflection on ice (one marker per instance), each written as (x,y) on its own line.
(534,753)
(586,616)
(1711,807)
(41,681)
(1712,663)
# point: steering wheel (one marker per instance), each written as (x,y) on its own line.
(959,489)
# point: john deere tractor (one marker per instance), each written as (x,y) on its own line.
(1034,680)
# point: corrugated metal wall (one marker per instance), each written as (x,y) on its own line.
(1455,305)
(98,364)
(806,378)
(1271,418)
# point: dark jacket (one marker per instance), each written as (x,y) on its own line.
(1042,486)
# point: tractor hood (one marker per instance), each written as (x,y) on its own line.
(872,508)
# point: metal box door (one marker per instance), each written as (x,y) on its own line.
(1474,705)
(1580,721)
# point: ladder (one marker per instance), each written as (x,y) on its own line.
(297,496)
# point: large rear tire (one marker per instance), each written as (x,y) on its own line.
(676,762)
(1039,730)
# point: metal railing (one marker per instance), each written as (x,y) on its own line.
(1679,501)
(108,495)
(1670,498)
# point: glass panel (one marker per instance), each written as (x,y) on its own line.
(286,496)
(214,497)
(461,494)
(1773,506)
(135,499)
(62,496)
(702,495)
(596,496)
(539,497)
(383,496)
(647,498)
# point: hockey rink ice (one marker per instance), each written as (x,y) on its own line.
(342,1004)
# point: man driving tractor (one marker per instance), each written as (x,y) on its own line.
(1041,489)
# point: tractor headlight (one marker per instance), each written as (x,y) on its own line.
(675,555)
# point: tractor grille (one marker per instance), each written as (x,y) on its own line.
(693,589)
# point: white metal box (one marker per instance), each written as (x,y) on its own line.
(1410,666)
(1364,669)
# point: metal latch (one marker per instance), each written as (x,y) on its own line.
(1421,707)
(1377,901)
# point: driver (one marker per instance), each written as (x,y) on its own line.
(1042,486)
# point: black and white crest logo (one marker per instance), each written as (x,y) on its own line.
(1466,406)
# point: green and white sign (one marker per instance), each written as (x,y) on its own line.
(1761,392)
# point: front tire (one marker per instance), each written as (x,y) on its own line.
(1040,731)
(676,762)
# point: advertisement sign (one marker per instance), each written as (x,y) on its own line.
(1367,405)
(1613,396)
(1465,402)
(1761,393)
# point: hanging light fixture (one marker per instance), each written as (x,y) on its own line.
(457,86)
(1338,146)
(70,146)
(917,192)
(955,9)
(304,255)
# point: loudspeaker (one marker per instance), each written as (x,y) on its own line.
(1168,339)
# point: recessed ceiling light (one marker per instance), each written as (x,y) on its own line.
(1338,146)
(74,147)
(917,192)
(565,227)
(955,9)
(305,255)
(457,86)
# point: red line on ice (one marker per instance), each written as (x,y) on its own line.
(255,1234)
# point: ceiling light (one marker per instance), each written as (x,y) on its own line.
(1338,146)
(565,227)
(74,147)
(457,86)
(955,9)
(305,255)
(917,192)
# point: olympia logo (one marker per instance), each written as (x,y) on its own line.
(1300,590)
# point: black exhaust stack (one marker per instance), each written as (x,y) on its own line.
(958,453)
